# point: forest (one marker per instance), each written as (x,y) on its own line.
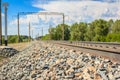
(98,30)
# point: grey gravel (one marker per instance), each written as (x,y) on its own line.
(45,61)
(8,52)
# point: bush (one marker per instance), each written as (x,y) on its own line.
(113,37)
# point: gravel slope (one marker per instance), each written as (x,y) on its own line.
(45,61)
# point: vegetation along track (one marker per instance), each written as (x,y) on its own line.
(108,50)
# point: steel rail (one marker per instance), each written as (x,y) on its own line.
(104,47)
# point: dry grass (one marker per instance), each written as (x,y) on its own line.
(19,46)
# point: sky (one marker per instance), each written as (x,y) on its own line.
(74,10)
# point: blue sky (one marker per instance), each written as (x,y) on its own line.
(16,6)
(76,11)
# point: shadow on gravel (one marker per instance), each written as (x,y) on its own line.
(8,51)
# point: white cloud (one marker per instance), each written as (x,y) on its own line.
(2,14)
(76,11)
(36,20)
(83,10)
(25,19)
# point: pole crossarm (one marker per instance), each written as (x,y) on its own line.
(41,13)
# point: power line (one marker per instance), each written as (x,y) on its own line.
(42,13)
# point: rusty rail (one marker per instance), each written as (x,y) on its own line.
(100,46)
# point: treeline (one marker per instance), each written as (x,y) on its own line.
(14,38)
(98,30)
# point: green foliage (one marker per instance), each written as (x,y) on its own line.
(116,27)
(113,37)
(101,28)
(66,32)
(110,24)
(78,31)
(73,32)
(56,33)
(90,33)
(14,39)
(46,37)
(98,30)
(2,39)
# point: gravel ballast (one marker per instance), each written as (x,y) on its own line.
(8,51)
(45,61)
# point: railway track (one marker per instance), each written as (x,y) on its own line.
(100,46)
(109,50)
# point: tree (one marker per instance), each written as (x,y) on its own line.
(116,27)
(82,30)
(110,24)
(52,33)
(78,31)
(57,32)
(101,29)
(90,33)
(113,37)
(46,37)
(12,39)
(98,30)
(73,32)
(66,32)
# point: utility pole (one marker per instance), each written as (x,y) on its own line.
(32,34)
(18,29)
(38,36)
(42,31)
(29,32)
(63,27)
(5,7)
(50,32)
(0,23)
